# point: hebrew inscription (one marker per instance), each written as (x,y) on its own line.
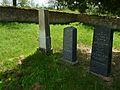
(101,51)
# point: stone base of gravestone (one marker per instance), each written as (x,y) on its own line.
(73,63)
(45,51)
(108,79)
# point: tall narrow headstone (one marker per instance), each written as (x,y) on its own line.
(70,45)
(102,51)
(44,32)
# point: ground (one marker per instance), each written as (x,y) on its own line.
(23,67)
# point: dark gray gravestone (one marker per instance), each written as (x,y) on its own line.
(70,45)
(102,51)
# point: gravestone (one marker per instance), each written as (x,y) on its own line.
(44,32)
(70,45)
(102,51)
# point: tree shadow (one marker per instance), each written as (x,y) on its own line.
(47,69)
(28,70)
(27,73)
(115,63)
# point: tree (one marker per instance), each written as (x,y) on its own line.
(23,3)
(14,3)
(5,2)
(104,6)
(53,4)
(32,3)
(81,5)
(57,4)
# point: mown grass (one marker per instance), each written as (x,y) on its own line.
(16,39)
(70,11)
(83,32)
(46,72)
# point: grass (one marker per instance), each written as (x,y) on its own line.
(83,31)
(16,39)
(47,72)
(70,11)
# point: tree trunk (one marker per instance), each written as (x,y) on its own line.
(14,3)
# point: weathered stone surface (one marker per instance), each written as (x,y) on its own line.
(31,15)
(70,44)
(102,51)
(44,31)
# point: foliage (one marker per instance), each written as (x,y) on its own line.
(32,4)
(57,4)
(23,3)
(5,2)
(52,3)
(104,6)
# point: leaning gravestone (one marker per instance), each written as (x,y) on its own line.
(44,32)
(70,45)
(102,51)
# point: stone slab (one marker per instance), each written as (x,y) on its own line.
(102,51)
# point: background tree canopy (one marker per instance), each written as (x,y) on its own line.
(102,6)
(20,3)
(83,6)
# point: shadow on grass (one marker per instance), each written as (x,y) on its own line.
(116,63)
(39,71)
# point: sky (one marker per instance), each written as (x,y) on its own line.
(40,2)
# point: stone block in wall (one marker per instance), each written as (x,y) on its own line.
(31,15)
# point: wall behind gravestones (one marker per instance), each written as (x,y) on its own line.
(18,14)
(100,20)
(31,15)
(62,17)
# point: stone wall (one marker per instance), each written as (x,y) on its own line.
(100,20)
(31,15)
(18,14)
(60,17)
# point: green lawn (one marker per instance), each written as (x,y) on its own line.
(47,72)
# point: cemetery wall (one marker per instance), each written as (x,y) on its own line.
(18,14)
(99,20)
(31,15)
